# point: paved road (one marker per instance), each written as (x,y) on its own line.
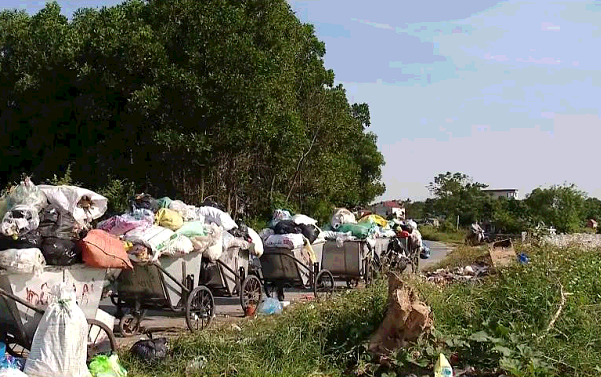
(229,310)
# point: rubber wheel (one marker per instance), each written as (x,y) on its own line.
(103,342)
(251,292)
(324,285)
(352,283)
(129,325)
(200,309)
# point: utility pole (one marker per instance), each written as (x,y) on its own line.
(457,223)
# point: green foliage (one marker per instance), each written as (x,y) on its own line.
(185,99)
(560,206)
(441,234)
(457,195)
(66,179)
(306,339)
(118,192)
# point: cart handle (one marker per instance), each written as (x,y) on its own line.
(20,301)
(184,288)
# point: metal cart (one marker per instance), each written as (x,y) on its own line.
(172,283)
(351,262)
(282,267)
(228,277)
(24,298)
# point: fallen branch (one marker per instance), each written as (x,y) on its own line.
(562,303)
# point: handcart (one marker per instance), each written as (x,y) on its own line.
(399,254)
(229,276)
(172,283)
(24,298)
(351,262)
(283,267)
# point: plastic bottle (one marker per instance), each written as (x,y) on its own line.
(442,367)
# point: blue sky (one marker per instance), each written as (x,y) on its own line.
(505,91)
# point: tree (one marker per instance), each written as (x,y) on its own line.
(561,206)
(457,194)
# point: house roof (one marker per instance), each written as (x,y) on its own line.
(391,204)
(499,189)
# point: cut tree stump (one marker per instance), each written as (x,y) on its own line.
(406,319)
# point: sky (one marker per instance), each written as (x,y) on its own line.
(504,91)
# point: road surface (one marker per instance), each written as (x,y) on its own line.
(229,309)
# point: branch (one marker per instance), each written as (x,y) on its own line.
(562,303)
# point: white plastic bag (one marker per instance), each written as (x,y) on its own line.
(177,245)
(257,245)
(265,233)
(85,205)
(342,216)
(280,214)
(304,219)
(210,245)
(161,241)
(26,193)
(187,212)
(217,216)
(289,241)
(11,372)
(60,344)
(21,219)
(23,261)
(231,241)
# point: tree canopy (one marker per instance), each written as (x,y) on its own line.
(185,98)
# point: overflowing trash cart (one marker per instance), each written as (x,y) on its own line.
(350,261)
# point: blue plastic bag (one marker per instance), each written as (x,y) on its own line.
(270,306)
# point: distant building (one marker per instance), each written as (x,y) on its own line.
(505,193)
(591,223)
(389,208)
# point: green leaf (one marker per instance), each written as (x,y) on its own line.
(480,336)
(503,350)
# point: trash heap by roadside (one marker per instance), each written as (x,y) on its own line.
(445,276)
(153,228)
(344,226)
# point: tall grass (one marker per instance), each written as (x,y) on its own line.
(431,233)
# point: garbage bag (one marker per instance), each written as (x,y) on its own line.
(107,366)
(23,261)
(361,231)
(303,219)
(192,229)
(83,204)
(11,372)
(211,203)
(177,245)
(20,220)
(287,227)
(144,201)
(150,350)
(60,251)
(231,241)
(280,214)
(265,233)
(160,241)
(60,343)
(342,216)
(187,212)
(168,219)
(241,231)
(288,241)
(257,243)
(210,245)
(374,219)
(26,193)
(218,217)
(164,202)
(100,249)
(28,240)
(119,225)
(58,222)
(311,232)
(270,306)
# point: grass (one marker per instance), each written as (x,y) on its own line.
(307,339)
(461,256)
(497,324)
(431,233)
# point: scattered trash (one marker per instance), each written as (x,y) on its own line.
(523,258)
(236,327)
(270,306)
(11,372)
(285,303)
(107,366)
(425,252)
(442,367)
(195,366)
(467,273)
(150,350)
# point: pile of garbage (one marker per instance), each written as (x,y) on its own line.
(344,226)
(583,240)
(163,227)
(445,276)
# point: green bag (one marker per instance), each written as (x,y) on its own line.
(360,231)
(192,229)
(164,202)
(105,366)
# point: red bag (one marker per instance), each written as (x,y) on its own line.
(102,250)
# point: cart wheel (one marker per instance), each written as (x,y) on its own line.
(324,285)
(367,273)
(200,308)
(129,324)
(101,339)
(251,292)
(15,349)
(352,283)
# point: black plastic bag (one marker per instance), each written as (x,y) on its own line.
(150,350)
(144,201)
(309,231)
(56,222)
(240,232)
(29,240)
(286,227)
(60,251)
